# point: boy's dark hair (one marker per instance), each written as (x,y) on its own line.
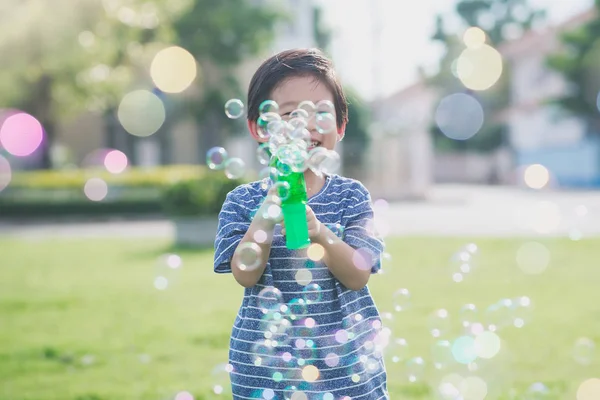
(293,63)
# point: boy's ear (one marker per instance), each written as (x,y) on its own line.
(254,132)
(341,132)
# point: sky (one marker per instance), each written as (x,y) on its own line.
(404,29)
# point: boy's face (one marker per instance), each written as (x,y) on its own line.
(290,93)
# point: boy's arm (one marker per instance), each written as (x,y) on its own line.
(248,277)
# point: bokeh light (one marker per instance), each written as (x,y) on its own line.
(487,345)
(459,116)
(533,258)
(95,189)
(249,256)
(21,134)
(184,396)
(173,69)
(5,173)
(536,176)
(474,37)
(115,161)
(589,389)
(315,252)
(479,68)
(584,351)
(141,113)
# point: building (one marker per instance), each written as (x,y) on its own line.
(539,132)
(400,157)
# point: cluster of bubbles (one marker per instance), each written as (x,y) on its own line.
(288,138)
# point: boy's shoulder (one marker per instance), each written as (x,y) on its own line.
(343,182)
(248,191)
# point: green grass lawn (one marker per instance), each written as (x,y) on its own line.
(82,320)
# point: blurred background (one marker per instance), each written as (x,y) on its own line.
(475,124)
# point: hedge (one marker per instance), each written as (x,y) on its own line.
(172,190)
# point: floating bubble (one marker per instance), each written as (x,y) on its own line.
(415,369)
(5,173)
(235,168)
(448,389)
(522,311)
(439,323)
(141,113)
(264,124)
(303,277)
(473,388)
(308,106)
(536,176)
(331,163)
(234,108)
(270,299)
(312,293)
(332,360)
(167,269)
(441,354)
(95,189)
(468,314)
(325,107)
(397,350)
(173,69)
(459,116)
(221,384)
(298,308)
(268,106)
(474,37)
(479,68)
(21,134)
(533,258)
(589,389)
(325,123)
(299,113)
(463,350)
(263,154)
(401,299)
(583,351)
(249,256)
(283,189)
(115,161)
(499,315)
(262,352)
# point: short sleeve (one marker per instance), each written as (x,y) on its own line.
(359,230)
(234,221)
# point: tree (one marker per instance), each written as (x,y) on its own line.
(91,52)
(501,20)
(221,34)
(578,63)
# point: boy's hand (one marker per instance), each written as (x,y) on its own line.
(314,225)
(270,210)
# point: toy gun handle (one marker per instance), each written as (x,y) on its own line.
(293,207)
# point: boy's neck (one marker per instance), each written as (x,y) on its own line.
(314,183)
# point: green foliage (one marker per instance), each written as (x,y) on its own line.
(500,19)
(578,63)
(197,197)
(357,136)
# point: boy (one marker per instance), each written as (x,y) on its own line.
(307,327)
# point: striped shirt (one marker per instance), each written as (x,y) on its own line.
(299,332)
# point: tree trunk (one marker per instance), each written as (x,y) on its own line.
(39,105)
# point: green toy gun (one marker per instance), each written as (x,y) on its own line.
(293,205)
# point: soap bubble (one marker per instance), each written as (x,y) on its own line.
(439,323)
(308,106)
(221,384)
(325,123)
(263,154)
(401,299)
(235,168)
(167,270)
(415,369)
(459,116)
(312,293)
(216,158)
(468,315)
(583,351)
(268,106)
(325,107)
(270,299)
(249,255)
(441,354)
(397,350)
(234,108)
